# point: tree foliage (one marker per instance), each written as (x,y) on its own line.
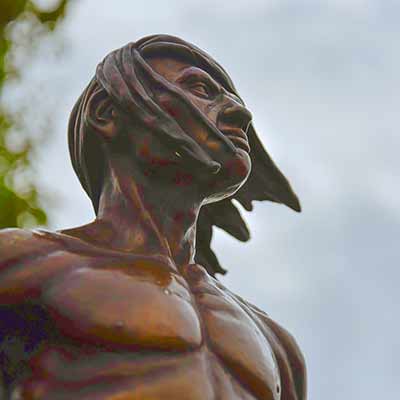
(19,206)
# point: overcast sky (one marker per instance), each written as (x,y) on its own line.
(322,81)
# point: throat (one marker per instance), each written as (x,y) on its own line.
(146,219)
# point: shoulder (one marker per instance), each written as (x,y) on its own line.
(17,244)
(23,266)
(290,358)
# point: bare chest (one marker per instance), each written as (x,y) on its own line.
(164,313)
(125,307)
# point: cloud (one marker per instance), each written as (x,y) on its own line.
(321,79)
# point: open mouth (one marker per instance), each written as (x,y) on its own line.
(238,137)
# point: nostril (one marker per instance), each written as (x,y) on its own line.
(236,116)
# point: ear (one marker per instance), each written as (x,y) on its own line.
(101,114)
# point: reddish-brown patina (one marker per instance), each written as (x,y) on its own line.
(127,307)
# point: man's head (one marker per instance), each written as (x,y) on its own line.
(175,108)
(175,105)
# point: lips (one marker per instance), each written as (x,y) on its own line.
(237,137)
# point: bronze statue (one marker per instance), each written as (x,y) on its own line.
(127,307)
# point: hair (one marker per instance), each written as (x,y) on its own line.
(128,80)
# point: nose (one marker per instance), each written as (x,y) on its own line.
(235,116)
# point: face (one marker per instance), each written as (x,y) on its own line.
(226,143)
(215,120)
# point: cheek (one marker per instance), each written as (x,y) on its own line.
(170,106)
(152,154)
(184,116)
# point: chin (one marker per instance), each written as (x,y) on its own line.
(231,177)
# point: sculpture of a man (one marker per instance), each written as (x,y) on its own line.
(127,307)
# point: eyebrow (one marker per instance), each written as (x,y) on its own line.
(189,72)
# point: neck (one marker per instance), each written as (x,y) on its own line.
(142,214)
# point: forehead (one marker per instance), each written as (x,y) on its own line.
(184,54)
(169,67)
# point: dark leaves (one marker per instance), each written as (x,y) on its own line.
(18,207)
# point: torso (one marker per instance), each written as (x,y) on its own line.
(117,326)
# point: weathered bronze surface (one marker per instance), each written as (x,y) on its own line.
(127,307)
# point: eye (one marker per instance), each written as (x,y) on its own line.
(201,89)
(199,83)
